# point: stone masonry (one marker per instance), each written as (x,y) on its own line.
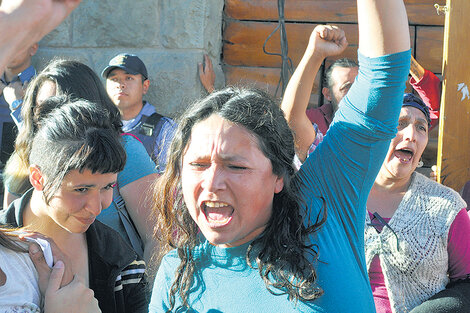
(170,36)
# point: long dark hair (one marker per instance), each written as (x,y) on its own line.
(71,78)
(280,253)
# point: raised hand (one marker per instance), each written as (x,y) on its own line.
(14,91)
(207,74)
(327,40)
(39,17)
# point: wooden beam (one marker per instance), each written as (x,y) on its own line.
(453,158)
(264,78)
(420,12)
(260,77)
(429,43)
(243,42)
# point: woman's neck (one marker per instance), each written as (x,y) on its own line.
(390,184)
(386,195)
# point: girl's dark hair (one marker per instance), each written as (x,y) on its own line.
(75,135)
(71,78)
(281,252)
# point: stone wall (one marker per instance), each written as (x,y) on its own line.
(170,36)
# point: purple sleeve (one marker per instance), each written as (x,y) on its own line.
(458,247)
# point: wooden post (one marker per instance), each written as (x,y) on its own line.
(453,155)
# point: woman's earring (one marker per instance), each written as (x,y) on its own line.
(420,163)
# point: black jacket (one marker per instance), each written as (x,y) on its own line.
(117,275)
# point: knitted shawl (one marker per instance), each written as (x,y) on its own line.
(418,268)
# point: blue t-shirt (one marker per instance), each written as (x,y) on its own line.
(338,174)
(138,165)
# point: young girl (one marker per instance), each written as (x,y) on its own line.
(129,206)
(75,157)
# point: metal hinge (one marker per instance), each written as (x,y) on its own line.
(441,9)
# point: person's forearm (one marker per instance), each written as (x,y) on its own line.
(295,102)
(151,247)
(324,41)
(8,42)
(298,91)
(139,206)
(25,22)
(416,70)
(383,27)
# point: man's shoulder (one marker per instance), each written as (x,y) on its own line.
(314,113)
(151,116)
(27,74)
(147,109)
(319,114)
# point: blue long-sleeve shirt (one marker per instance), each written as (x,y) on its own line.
(339,173)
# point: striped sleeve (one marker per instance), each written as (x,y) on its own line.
(131,274)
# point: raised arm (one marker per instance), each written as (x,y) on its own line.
(416,70)
(343,168)
(324,41)
(383,27)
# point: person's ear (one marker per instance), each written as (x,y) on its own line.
(326,93)
(33,49)
(279,185)
(36,178)
(146,85)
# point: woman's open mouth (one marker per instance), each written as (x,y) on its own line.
(404,155)
(217,213)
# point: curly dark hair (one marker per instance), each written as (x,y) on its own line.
(280,253)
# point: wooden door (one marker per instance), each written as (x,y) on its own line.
(453,160)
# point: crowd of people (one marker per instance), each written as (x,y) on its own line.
(240,205)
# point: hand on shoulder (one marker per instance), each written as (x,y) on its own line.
(75,295)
